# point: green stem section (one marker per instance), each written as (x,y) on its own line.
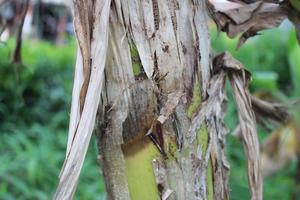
(139,171)
(139,155)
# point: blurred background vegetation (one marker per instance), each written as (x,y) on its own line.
(35,99)
(34,112)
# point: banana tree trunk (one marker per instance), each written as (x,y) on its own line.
(156,76)
(159,125)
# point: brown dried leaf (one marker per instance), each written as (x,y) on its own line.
(267,110)
(249,19)
(239,79)
(244,13)
(212,111)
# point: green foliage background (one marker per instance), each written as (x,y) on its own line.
(34,112)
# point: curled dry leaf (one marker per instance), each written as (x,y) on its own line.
(213,110)
(276,112)
(239,78)
(264,111)
(252,16)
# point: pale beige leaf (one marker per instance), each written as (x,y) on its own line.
(224,5)
(81,137)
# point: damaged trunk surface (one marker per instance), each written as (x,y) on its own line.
(144,67)
(153,86)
